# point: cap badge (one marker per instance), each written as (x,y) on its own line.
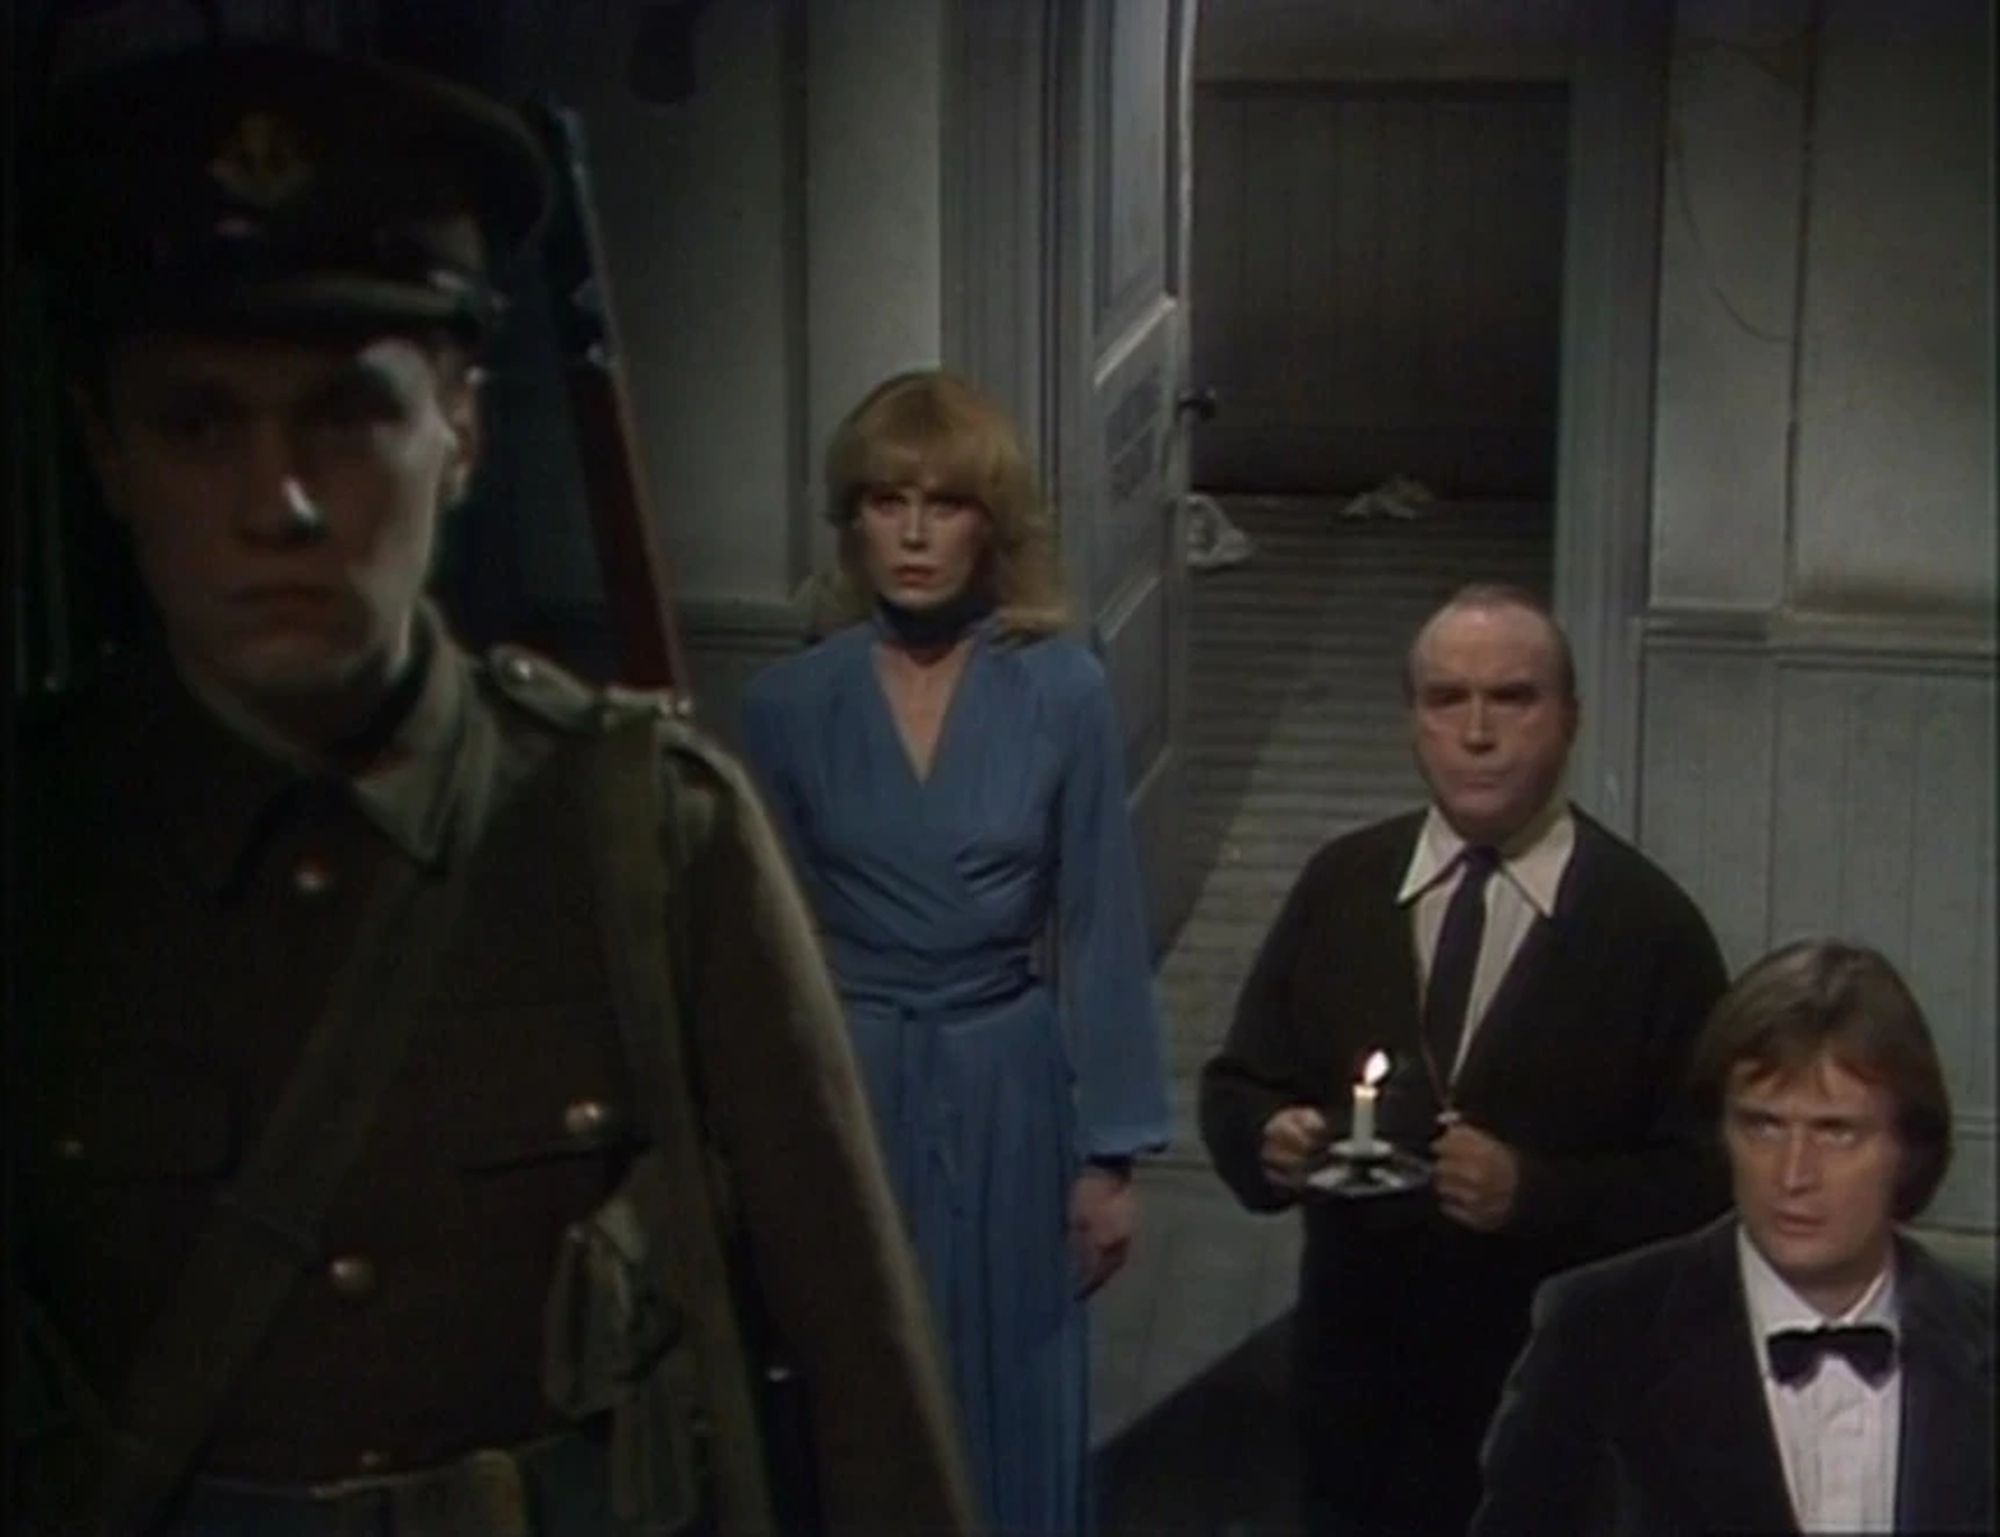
(261,162)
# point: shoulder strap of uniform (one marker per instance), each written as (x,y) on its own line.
(264,1231)
(543,689)
(643,871)
(559,698)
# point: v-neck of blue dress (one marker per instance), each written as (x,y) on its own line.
(978,637)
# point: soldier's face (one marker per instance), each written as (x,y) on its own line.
(283,498)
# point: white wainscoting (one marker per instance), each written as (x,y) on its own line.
(1837,777)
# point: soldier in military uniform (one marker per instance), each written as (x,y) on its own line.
(431,1056)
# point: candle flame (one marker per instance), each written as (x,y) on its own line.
(1375,1069)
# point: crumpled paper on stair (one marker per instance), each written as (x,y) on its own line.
(1400,496)
(1213,542)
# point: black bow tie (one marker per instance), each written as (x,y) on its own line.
(1869,1348)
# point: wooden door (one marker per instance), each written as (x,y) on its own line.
(1119,371)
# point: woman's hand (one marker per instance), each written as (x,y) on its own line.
(1103,1215)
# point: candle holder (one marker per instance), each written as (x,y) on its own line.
(1355,1170)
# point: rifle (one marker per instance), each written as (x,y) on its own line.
(634,572)
(635,583)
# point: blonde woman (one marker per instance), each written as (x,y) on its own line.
(947,770)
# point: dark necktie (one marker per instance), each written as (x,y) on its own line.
(1456,956)
(1796,1353)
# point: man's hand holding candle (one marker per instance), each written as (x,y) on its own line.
(1478,1176)
(1295,1139)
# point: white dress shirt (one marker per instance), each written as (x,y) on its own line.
(1523,889)
(1838,1435)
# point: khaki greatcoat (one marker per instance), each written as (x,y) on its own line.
(187,897)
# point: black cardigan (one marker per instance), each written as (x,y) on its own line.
(1579,1064)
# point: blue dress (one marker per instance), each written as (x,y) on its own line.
(989,1082)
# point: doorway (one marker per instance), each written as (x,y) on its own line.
(1377,280)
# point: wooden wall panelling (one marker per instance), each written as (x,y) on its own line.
(1315,217)
(1261,384)
(1806,859)
(1379,273)
(1813,790)
(1706,808)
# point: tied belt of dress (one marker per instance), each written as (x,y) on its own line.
(927,1000)
(981,1137)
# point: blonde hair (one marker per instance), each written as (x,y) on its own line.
(932,427)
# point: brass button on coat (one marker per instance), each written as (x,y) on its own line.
(352,1276)
(312,876)
(587,1119)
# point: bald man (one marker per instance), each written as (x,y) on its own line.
(1537,985)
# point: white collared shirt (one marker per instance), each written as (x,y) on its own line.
(1523,889)
(1837,1435)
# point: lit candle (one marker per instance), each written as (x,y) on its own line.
(1365,1091)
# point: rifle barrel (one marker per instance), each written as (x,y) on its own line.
(637,591)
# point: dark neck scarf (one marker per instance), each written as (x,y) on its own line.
(924,629)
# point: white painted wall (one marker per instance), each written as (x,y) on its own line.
(693,203)
(1895,505)
(1819,698)
(874,221)
(1826,384)
(776,246)
(1728,303)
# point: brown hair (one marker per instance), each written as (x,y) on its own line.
(1820,997)
(1497,595)
(932,426)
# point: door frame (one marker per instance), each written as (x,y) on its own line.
(1604,436)
(1001,265)
(1012,304)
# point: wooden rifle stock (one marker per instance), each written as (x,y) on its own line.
(636,588)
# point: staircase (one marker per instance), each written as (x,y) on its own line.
(1296,723)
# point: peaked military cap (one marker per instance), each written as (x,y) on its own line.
(270,187)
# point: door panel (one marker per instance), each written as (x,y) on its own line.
(1120,366)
